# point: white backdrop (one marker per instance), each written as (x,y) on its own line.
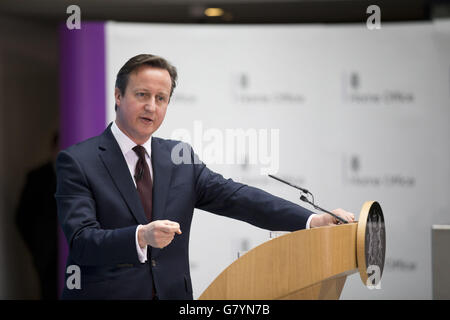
(349,113)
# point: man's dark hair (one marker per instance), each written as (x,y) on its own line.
(144,60)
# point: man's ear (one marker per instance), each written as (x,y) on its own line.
(117,96)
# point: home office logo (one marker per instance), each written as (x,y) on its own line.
(354,175)
(243,81)
(355,92)
(355,163)
(400,264)
(245,92)
(354,80)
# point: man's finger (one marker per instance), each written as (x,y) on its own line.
(176,227)
(168,226)
(171,229)
(350,217)
(170,223)
(173,224)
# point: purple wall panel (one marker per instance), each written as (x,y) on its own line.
(82,95)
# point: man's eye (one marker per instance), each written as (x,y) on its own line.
(160,98)
(140,94)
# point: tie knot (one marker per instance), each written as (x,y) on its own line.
(140,151)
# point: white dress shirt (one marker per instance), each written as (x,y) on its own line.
(126,146)
(308,222)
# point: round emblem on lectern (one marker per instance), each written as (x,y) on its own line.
(371,244)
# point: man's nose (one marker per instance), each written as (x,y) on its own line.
(150,105)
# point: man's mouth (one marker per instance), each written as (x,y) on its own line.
(146,119)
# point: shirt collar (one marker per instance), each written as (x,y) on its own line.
(125,143)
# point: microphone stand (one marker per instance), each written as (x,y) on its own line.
(305,199)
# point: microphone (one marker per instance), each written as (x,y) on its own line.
(305,199)
(290,184)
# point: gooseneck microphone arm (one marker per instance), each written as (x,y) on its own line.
(290,184)
(305,199)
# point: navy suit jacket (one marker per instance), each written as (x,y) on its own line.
(99,209)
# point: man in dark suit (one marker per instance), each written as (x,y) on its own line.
(125,202)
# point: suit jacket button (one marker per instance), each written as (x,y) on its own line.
(153,263)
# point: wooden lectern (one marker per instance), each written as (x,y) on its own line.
(307,264)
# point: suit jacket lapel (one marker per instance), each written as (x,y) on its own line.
(162,171)
(115,163)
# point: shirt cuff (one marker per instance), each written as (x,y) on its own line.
(309,221)
(142,252)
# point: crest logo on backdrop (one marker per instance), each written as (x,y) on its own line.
(355,173)
(245,91)
(356,91)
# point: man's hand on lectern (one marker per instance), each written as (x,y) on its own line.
(325,219)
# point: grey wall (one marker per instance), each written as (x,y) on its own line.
(28,117)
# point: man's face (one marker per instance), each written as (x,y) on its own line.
(141,110)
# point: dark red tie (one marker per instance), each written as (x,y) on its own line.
(143,181)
